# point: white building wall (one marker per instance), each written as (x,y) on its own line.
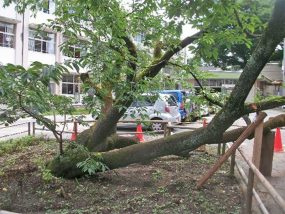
(8,12)
(20,54)
(41,57)
(40,18)
(7,55)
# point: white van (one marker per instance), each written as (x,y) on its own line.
(154,107)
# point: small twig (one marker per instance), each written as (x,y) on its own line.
(249,34)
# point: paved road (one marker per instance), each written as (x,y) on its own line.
(21,127)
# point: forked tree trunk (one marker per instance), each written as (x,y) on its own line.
(95,138)
(108,103)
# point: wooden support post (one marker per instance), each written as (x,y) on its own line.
(34,128)
(249,191)
(75,128)
(224,148)
(219,149)
(267,154)
(231,150)
(167,129)
(29,128)
(233,161)
(256,161)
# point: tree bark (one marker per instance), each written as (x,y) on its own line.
(95,138)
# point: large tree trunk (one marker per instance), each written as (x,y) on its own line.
(172,145)
(95,138)
(103,131)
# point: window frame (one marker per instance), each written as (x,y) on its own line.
(48,7)
(74,51)
(39,40)
(74,83)
(6,33)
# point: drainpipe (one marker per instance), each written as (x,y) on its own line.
(283,69)
(23,27)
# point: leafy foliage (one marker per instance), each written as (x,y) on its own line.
(117,63)
(93,164)
(25,92)
(250,17)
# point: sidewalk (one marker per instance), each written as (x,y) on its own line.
(277,179)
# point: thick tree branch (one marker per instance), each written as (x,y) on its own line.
(157,64)
(133,52)
(147,151)
(271,123)
(86,80)
(264,105)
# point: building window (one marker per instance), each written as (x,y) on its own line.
(41,41)
(7,35)
(70,84)
(73,51)
(48,6)
(139,38)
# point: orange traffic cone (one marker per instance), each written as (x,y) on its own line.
(205,122)
(74,133)
(139,133)
(73,137)
(278,147)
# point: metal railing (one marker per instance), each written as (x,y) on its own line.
(31,127)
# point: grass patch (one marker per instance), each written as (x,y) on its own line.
(77,111)
(15,145)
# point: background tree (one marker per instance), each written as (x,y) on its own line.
(25,92)
(251,17)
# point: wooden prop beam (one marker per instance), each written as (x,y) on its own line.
(249,130)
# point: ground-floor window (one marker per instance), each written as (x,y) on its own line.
(70,84)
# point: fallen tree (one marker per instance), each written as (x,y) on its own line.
(188,141)
(66,165)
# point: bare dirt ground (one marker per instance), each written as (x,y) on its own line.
(166,185)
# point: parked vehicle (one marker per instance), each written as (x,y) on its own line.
(180,98)
(154,107)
